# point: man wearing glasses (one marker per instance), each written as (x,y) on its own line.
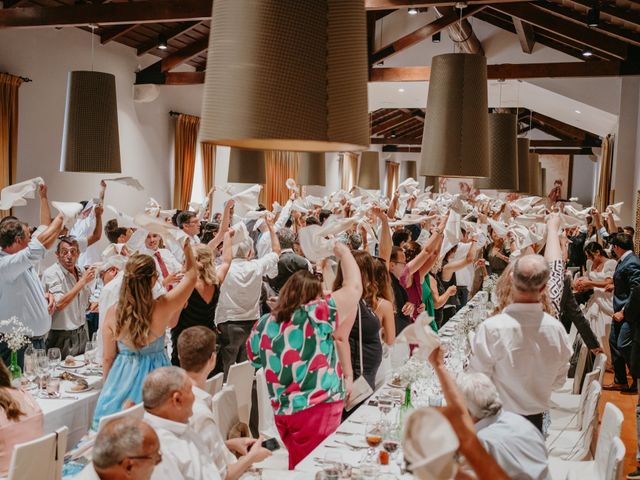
(125,448)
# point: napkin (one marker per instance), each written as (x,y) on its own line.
(152,207)
(128,181)
(16,195)
(124,220)
(452,233)
(69,210)
(154,225)
(246,200)
(430,444)
(421,334)
(409,186)
(114,249)
(314,244)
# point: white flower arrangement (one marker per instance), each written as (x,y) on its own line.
(16,334)
(412,371)
(489,283)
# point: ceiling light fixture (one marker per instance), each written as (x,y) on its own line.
(578,111)
(401,90)
(162,42)
(435,38)
(587,53)
(593,17)
(412,11)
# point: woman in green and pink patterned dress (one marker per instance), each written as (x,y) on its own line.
(303,347)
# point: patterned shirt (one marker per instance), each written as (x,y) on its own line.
(299,357)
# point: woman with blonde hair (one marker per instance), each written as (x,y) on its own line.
(202,303)
(134,330)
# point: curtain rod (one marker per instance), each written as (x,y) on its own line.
(175,114)
(24,79)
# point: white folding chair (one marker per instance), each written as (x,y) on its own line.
(137,411)
(41,458)
(571,386)
(567,409)
(225,409)
(576,444)
(600,363)
(241,377)
(214,384)
(615,465)
(597,468)
(266,417)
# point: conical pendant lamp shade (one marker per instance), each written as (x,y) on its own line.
(287,75)
(90,140)
(455,142)
(246,166)
(433,182)
(523,165)
(408,169)
(369,173)
(311,169)
(503,153)
(543,182)
(534,174)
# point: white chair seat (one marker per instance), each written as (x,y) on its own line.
(266,417)
(241,376)
(214,384)
(225,410)
(41,458)
(568,469)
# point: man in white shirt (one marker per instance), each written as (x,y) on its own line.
(464,276)
(263,244)
(167,265)
(124,448)
(238,306)
(198,358)
(168,400)
(70,286)
(514,442)
(524,351)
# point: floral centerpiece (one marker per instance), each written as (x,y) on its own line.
(16,335)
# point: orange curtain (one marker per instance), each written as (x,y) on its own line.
(9,85)
(349,169)
(185,159)
(208,168)
(279,167)
(392,178)
(603,194)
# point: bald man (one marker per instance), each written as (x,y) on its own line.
(523,350)
(125,449)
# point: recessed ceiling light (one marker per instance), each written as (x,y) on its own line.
(412,11)
(401,90)
(162,42)
(578,111)
(593,17)
(587,53)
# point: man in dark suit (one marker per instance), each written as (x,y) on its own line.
(289,262)
(625,279)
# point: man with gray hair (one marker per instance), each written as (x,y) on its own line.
(290,262)
(125,448)
(514,442)
(168,402)
(523,350)
(239,303)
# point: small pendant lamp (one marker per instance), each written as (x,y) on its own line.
(246,166)
(523,165)
(311,169)
(90,139)
(534,174)
(369,173)
(287,75)
(543,182)
(455,142)
(408,169)
(503,153)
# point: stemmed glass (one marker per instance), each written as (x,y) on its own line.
(55,356)
(30,370)
(373,437)
(89,354)
(391,441)
(42,365)
(385,405)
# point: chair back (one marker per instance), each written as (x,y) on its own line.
(225,409)
(580,367)
(214,384)
(615,462)
(610,428)
(600,362)
(589,378)
(241,377)
(582,449)
(41,458)
(137,411)
(266,417)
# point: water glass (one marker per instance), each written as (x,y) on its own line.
(53,387)
(89,353)
(30,369)
(54,358)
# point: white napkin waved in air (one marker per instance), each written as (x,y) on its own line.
(430,445)
(154,225)
(69,210)
(314,245)
(420,333)
(246,200)
(452,233)
(124,220)
(16,195)
(127,181)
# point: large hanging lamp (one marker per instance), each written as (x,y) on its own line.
(408,169)
(287,75)
(433,182)
(503,153)
(534,174)
(523,165)
(90,139)
(369,172)
(311,169)
(455,142)
(246,166)
(543,181)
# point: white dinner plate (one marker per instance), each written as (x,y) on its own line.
(70,390)
(72,367)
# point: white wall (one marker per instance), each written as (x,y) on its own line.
(582,180)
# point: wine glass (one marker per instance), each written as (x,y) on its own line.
(385,405)
(42,363)
(391,441)
(373,437)
(30,370)
(89,354)
(55,356)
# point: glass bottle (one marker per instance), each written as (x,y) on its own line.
(14,370)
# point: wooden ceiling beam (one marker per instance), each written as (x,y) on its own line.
(577,18)
(116,32)
(169,34)
(398,4)
(563,151)
(399,149)
(396,141)
(392,125)
(530,13)
(564,143)
(422,33)
(610,9)
(154,72)
(569,130)
(526,35)
(146,11)
(509,71)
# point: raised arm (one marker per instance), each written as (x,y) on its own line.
(50,235)
(227,256)
(97,231)
(393,206)
(553,250)
(224,225)
(171,303)
(429,254)
(455,265)
(385,243)
(45,209)
(275,242)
